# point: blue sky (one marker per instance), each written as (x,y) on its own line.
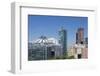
(50,25)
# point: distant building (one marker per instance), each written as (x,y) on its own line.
(80,36)
(44,48)
(71,52)
(80,49)
(63,40)
(86,42)
(85,53)
(77,38)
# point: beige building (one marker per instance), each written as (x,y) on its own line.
(71,52)
(79,51)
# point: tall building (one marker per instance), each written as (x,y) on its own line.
(76,37)
(63,40)
(80,36)
(86,40)
(81,46)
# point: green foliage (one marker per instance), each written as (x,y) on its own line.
(70,57)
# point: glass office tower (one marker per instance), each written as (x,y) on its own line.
(63,40)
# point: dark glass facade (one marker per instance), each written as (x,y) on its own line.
(63,40)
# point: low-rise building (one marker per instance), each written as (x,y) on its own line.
(79,51)
(44,48)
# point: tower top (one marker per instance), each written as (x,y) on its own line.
(79,29)
(62,28)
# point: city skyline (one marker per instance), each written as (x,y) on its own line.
(50,25)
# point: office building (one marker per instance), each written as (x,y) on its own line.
(63,40)
(80,36)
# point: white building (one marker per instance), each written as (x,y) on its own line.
(45,48)
(78,51)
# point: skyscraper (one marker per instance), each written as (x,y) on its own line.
(80,36)
(86,42)
(76,37)
(63,40)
